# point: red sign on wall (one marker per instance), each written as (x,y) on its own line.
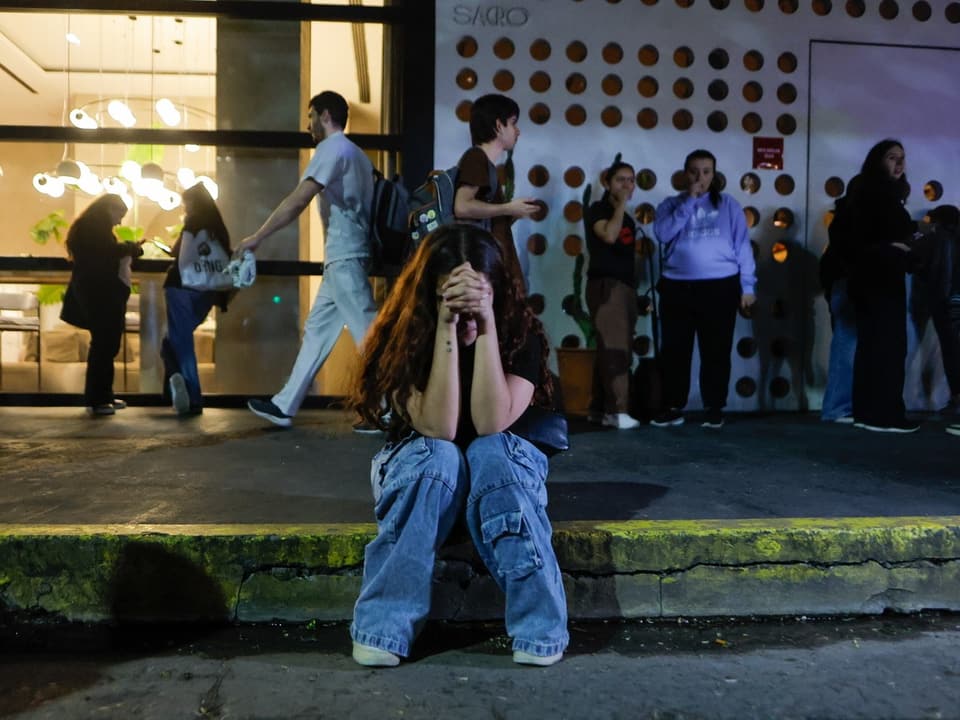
(768,153)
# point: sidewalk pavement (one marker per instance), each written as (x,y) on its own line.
(144,516)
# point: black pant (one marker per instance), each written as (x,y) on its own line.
(878,366)
(949,337)
(106,310)
(706,309)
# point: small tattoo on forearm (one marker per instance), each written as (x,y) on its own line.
(449,346)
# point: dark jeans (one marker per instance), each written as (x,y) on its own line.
(949,336)
(613,308)
(105,310)
(878,365)
(186,309)
(706,309)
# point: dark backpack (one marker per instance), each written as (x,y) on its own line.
(389,220)
(431,204)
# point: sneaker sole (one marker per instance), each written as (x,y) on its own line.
(524,658)
(178,394)
(712,426)
(954,430)
(280,422)
(882,429)
(672,423)
(365,431)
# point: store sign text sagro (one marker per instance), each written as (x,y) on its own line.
(492,15)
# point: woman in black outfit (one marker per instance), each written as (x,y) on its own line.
(878,256)
(96,298)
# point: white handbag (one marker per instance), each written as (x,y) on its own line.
(203,263)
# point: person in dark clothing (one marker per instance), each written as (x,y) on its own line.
(96,298)
(878,256)
(186,307)
(612,294)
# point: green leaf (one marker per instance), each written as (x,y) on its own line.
(128,233)
(51,294)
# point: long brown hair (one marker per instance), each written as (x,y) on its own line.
(398,351)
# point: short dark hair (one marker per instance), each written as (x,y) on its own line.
(485,113)
(702,154)
(334,104)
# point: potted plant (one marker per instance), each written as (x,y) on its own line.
(576,361)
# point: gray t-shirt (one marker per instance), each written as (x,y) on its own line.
(347,178)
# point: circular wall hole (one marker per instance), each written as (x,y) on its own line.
(779,387)
(788,7)
(466,47)
(612,53)
(611,116)
(933,190)
(538,176)
(503,48)
(751,215)
(683,57)
(539,114)
(648,86)
(750,183)
(889,9)
(678,181)
(783,218)
(746,347)
(684,3)
(642,345)
(576,83)
(570,341)
(786,93)
(717,121)
(647,118)
(683,88)
(537,244)
(717,90)
(719,4)
(822,7)
(682,120)
(576,115)
(646,179)
(784,184)
(611,84)
(752,123)
(466,79)
(718,58)
(787,62)
(540,82)
(573,177)
(746,387)
(754,5)
(952,13)
(503,80)
(752,91)
(576,52)
(540,50)
(645,213)
(463,110)
(834,187)
(648,55)
(855,8)
(922,11)
(786,124)
(536,303)
(572,245)
(779,252)
(753,60)
(573,211)
(542,210)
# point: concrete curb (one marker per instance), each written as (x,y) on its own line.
(251,573)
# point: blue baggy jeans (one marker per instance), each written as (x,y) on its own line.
(838,396)
(420,487)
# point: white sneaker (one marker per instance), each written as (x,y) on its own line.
(179,394)
(373,657)
(524,658)
(621,421)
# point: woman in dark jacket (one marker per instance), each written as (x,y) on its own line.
(96,298)
(878,257)
(186,307)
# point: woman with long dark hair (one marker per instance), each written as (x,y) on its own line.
(458,356)
(96,298)
(612,295)
(186,307)
(708,274)
(878,256)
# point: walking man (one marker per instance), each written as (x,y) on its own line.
(342,178)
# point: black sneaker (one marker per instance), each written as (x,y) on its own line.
(268,411)
(903,426)
(102,409)
(119,404)
(668,418)
(713,419)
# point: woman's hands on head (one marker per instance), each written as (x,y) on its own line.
(466,292)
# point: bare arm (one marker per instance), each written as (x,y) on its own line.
(435,411)
(467,207)
(609,230)
(285,213)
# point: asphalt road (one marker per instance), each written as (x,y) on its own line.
(888,667)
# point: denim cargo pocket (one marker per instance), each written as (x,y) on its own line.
(513,549)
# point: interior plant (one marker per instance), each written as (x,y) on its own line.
(49,226)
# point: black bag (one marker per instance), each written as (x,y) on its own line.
(546,429)
(389,213)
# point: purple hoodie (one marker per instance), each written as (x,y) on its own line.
(701,242)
